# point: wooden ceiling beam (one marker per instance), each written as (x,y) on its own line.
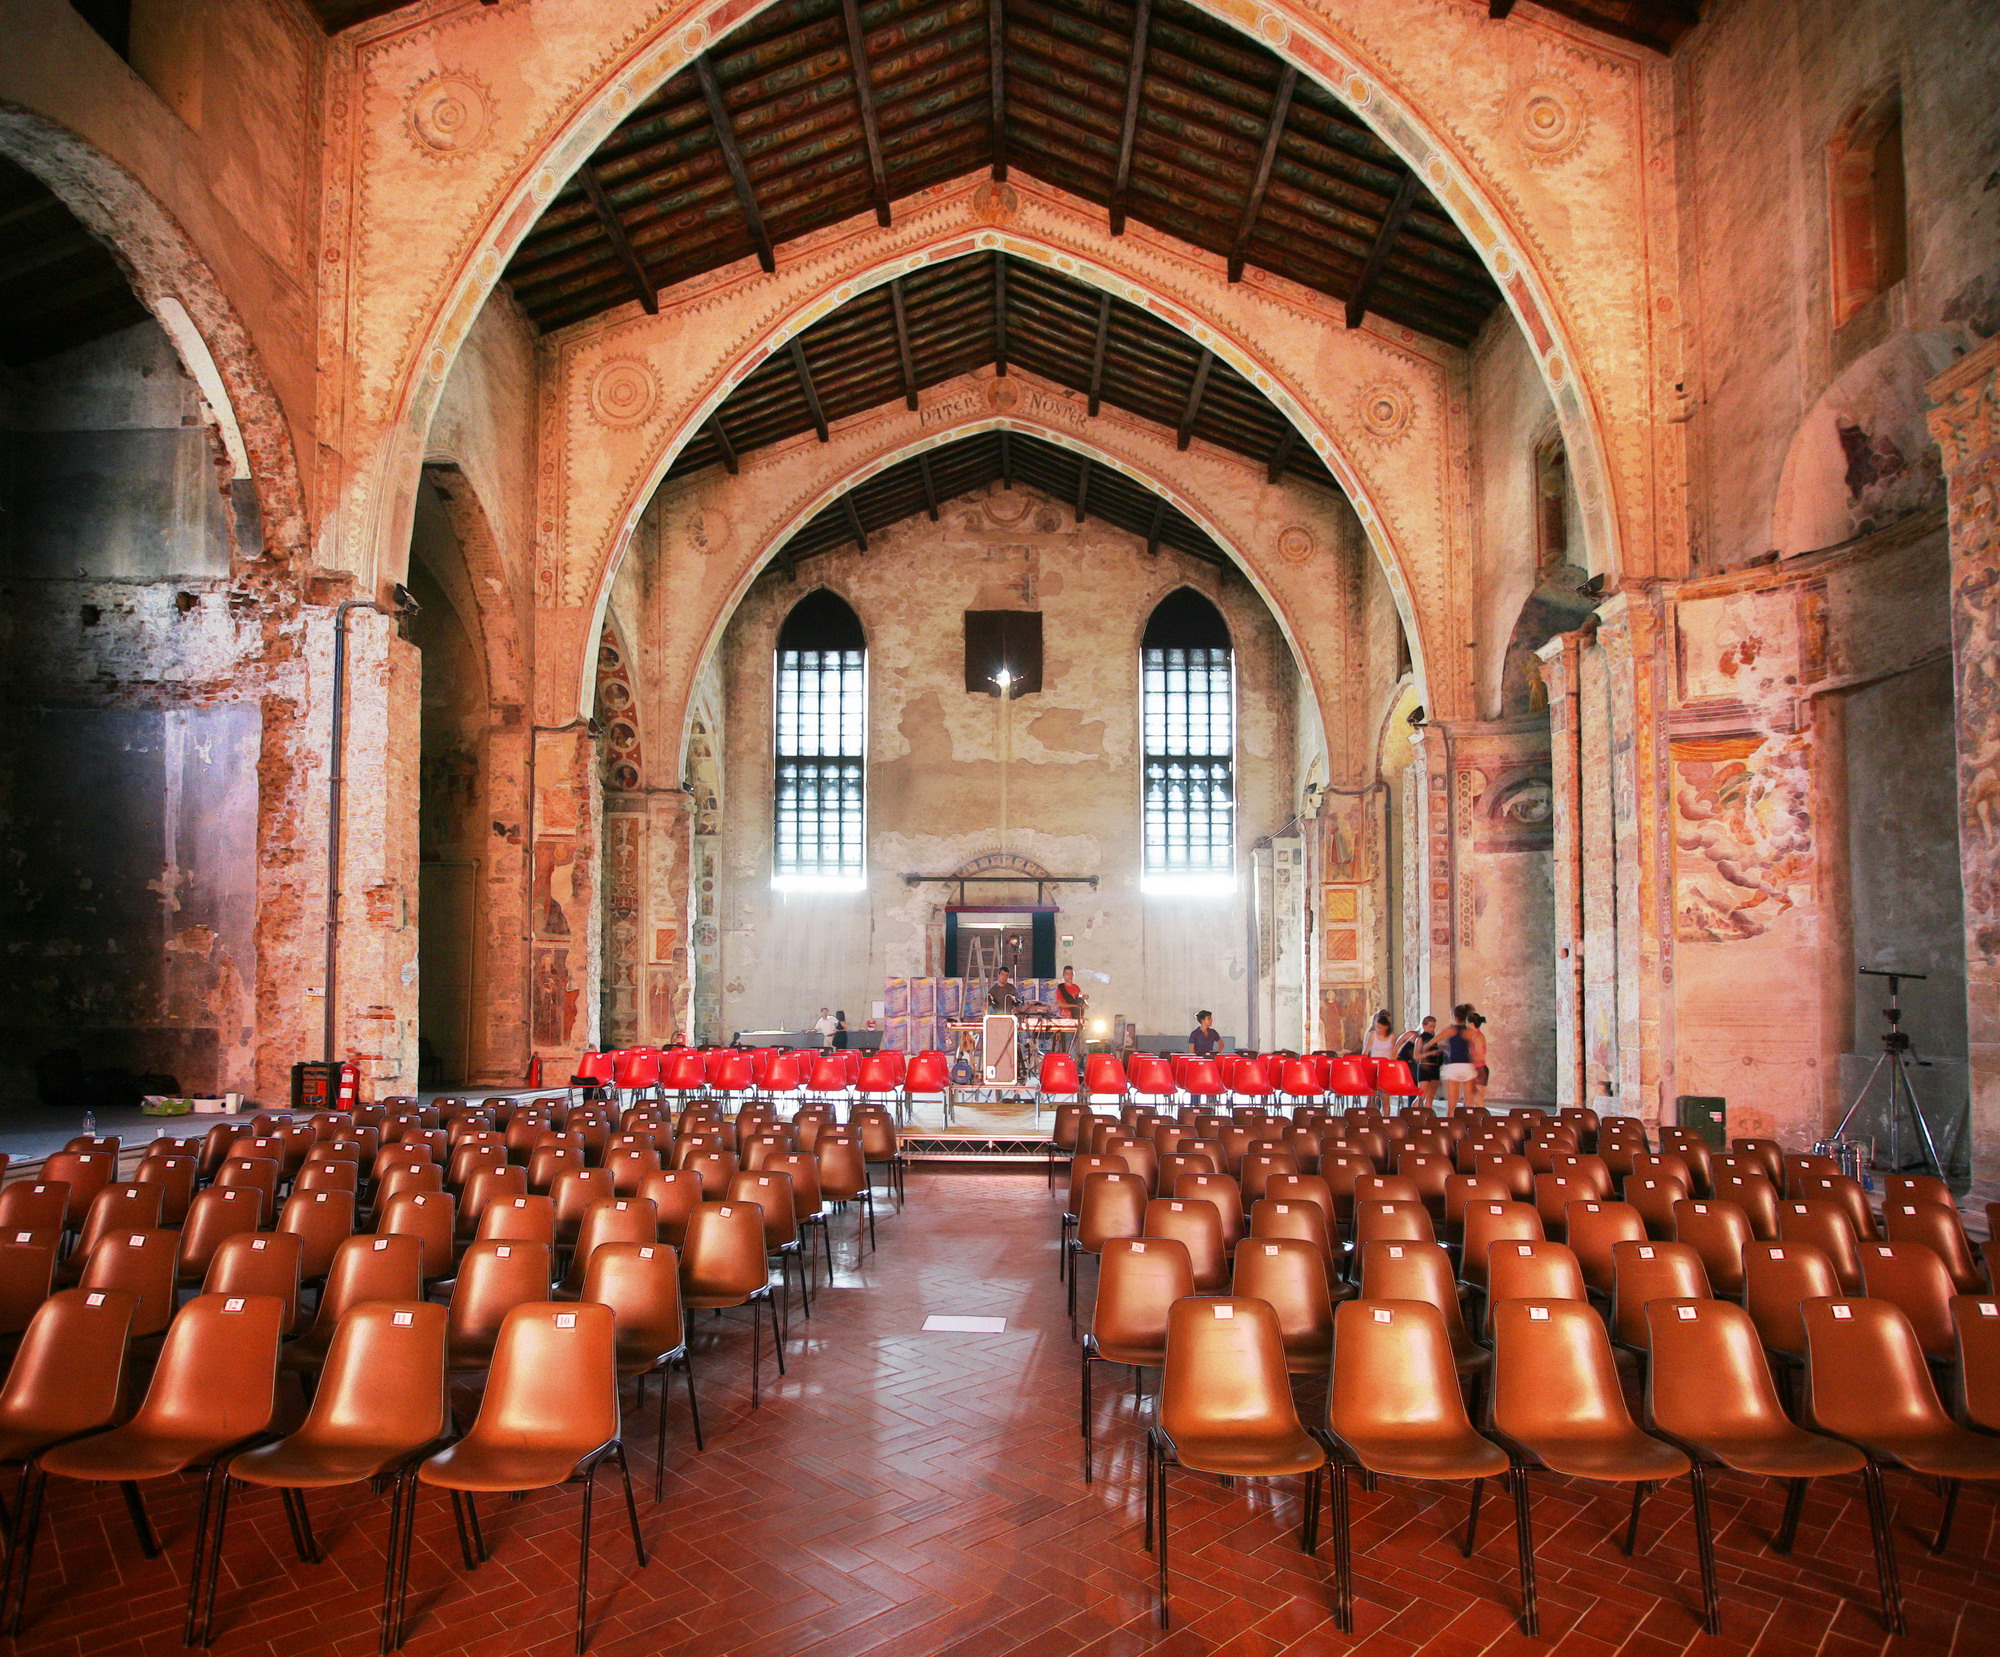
(864,96)
(1006,461)
(806,386)
(1000,312)
(854,529)
(996,82)
(1196,391)
(1253,204)
(732,160)
(1135,77)
(930,486)
(1282,454)
(1082,487)
(722,443)
(1159,519)
(1378,255)
(1097,350)
(1499,9)
(621,244)
(905,353)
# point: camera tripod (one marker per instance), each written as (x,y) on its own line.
(1902,1095)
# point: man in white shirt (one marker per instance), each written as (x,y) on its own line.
(826,1024)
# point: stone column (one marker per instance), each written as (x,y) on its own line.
(563,898)
(668,1004)
(501,1049)
(1966,424)
(1343,859)
(375,986)
(1561,672)
(1435,976)
(1503,914)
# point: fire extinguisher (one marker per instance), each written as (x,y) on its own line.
(349,1092)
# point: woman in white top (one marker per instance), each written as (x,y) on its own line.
(1382,1038)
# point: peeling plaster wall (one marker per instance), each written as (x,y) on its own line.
(1764,87)
(1073,782)
(128,752)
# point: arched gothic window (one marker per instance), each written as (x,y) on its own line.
(821,740)
(1187,710)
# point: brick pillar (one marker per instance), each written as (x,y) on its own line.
(563,899)
(667,1007)
(1433,959)
(1966,424)
(1501,844)
(1561,672)
(1343,861)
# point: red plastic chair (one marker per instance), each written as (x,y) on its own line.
(1059,1077)
(1202,1079)
(786,1073)
(682,1074)
(1393,1079)
(637,1071)
(1104,1077)
(927,1076)
(1150,1077)
(1298,1079)
(1351,1076)
(593,1073)
(1252,1079)
(880,1076)
(731,1073)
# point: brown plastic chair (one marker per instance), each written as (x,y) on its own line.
(174,1175)
(1846,1191)
(322,1221)
(1398,1221)
(1259,1167)
(428,1216)
(1718,1231)
(615,1220)
(843,1178)
(548,1163)
(1777,1279)
(1114,1205)
(1826,1226)
(85,1173)
(1461,1190)
(493,1278)
(1977,1321)
(808,1204)
(328,1176)
(1553,1195)
(771,1190)
(629,1165)
(1653,1196)
(1221,1190)
(213,1389)
(258,1263)
(1515,1172)
(1305,1221)
(363,1269)
(1139,1280)
(549,1416)
(1802,1166)
(641,1283)
(1394,1410)
(1757,1197)
(1911,1276)
(1486,1222)
(1289,1274)
(140,1264)
(1645,1272)
(1557,1404)
(527,1219)
(1226,1409)
(379,1408)
(1302,1188)
(724,1265)
(396,1179)
(1709,1390)
(1594,1229)
(1938,1227)
(133,1207)
(1532,1271)
(1422,1271)
(34,1205)
(674,1196)
(1081,1167)
(1195,1224)
(218,1212)
(1867,1382)
(68,1377)
(260,1174)
(467,1160)
(488,1186)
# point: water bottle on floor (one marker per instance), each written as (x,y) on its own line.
(90,1123)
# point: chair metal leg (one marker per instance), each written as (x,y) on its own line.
(583,1559)
(1886,1575)
(1704,1542)
(464,1535)
(1085,1422)
(1309,1518)
(1524,1541)
(222,1488)
(660,1447)
(1160,1522)
(199,1563)
(756,1355)
(1151,1451)
(135,1505)
(1472,1518)
(1944,1520)
(1639,1490)
(1788,1527)
(631,1506)
(694,1404)
(392,1559)
(480,1551)
(20,1557)
(1343,1561)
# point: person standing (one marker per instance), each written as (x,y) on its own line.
(826,1024)
(1204,1040)
(838,1036)
(1381,1037)
(1464,1053)
(1418,1049)
(1005,995)
(1070,1003)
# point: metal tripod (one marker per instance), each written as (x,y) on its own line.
(1902,1095)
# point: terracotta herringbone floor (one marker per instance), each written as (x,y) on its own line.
(918,1495)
